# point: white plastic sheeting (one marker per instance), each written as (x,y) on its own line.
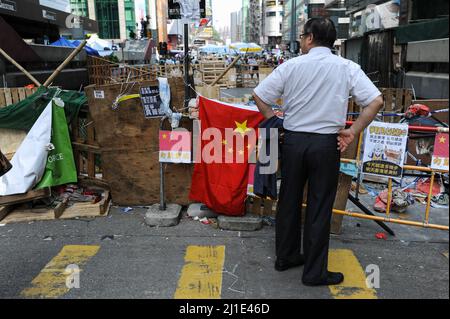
(30,158)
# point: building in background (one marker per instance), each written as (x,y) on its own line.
(402,44)
(295,16)
(117,18)
(271,23)
(236,26)
(251,20)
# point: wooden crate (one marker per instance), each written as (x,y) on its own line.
(75,210)
(211,70)
(10,139)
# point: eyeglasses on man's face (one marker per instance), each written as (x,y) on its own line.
(302,35)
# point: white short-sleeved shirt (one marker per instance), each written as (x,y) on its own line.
(315,88)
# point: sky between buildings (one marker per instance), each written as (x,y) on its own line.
(222,10)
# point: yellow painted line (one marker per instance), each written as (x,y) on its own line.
(201,276)
(354,285)
(51,281)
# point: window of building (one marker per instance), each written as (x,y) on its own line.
(107,13)
(79,8)
(271,14)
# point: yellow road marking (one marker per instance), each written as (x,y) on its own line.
(354,285)
(201,276)
(51,281)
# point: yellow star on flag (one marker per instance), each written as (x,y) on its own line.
(230,150)
(224,142)
(442,139)
(241,152)
(241,128)
(164,136)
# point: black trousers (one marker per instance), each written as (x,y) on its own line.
(312,158)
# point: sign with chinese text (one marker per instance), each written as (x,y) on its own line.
(151,101)
(440,155)
(175,147)
(384,149)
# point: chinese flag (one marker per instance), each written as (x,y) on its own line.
(217,182)
(441,145)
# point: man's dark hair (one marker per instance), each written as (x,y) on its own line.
(323,31)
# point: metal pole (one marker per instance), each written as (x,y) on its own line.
(186,65)
(368,212)
(17,65)
(293,25)
(162,202)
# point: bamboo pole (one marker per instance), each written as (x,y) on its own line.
(17,65)
(64,64)
(226,70)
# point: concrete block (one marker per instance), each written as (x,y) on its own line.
(166,218)
(245,223)
(200,210)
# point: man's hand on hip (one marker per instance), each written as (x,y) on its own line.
(345,138)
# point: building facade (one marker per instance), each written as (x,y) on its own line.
(116,19)
(272,23)
(251,20)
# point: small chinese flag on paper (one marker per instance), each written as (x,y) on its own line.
(175,147)
(440,156)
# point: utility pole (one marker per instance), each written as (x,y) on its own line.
(293,26)
(186,65)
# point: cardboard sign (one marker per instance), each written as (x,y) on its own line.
(151,101)
(384,149)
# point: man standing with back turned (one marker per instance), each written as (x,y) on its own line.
(315,88)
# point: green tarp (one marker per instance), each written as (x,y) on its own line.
(421,31)
(60,168)
(22,115)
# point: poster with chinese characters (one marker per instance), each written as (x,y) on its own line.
(151,101)
(175,147)
(440,154)
(385,149)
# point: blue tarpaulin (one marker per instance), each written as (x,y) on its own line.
(63,42)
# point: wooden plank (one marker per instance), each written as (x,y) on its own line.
(85,181)
(408,99)
(399,100)
(268,208)
(2,98)
(256,208)
(29,215)
(73,211)
(5,210)
(10,141)
(22,95)
(59,209)
(23,198)
(15,95)
(8,97)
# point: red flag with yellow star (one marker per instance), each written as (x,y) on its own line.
(441,152)
(228,139)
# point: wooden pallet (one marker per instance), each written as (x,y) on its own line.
(75,210)
(10,140)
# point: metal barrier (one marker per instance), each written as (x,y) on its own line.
(387,217)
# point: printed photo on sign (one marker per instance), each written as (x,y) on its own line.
(151,101)
(384,149)
(440,154)
(175,146)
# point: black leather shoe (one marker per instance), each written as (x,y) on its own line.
(333,278)
(282,264)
